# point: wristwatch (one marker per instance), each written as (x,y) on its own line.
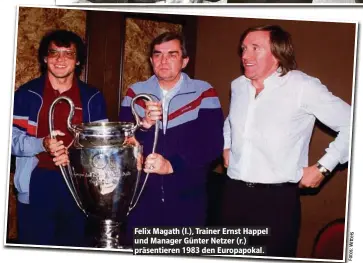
(323,170)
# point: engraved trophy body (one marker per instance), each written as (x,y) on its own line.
(104,171)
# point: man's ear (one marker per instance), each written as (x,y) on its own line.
(151,61)
(185,62)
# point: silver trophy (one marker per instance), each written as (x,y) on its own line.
(104,171)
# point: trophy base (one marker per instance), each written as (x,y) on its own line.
(108,235)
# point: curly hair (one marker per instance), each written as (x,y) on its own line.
(62,38)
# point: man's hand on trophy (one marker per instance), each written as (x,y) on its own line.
(153,113)
(155,163)
(61,157)
(52,146)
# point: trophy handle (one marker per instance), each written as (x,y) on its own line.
(67,170)
(138,125)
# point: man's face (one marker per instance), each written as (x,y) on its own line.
(167,61)
(258,61)
(61,61)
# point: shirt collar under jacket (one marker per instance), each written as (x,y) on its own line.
(166,97)
(170,93)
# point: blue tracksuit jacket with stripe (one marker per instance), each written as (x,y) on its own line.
(25,144)
(192,141)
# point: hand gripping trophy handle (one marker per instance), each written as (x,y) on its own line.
(138,125)
(67,170)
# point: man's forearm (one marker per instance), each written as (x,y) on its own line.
(25,145)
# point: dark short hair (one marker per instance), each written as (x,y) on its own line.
(280,44)
(169,36)
(62,38)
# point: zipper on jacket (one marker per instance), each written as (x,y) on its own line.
(162,190)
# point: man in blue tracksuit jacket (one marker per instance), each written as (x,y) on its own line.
(46,211)
(190,139)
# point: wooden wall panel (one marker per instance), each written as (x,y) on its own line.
(105,33)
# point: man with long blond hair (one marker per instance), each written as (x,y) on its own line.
(266,139)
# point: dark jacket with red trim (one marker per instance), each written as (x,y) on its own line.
(24,145)
(192,141)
